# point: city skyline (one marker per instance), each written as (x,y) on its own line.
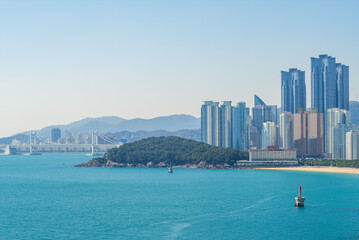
(65,62)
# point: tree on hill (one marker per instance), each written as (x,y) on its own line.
(174,150)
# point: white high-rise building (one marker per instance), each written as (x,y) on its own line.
(225,124)
(339,139)
(352,141)
(269,135)
(334,116)
(286,130)
(210,123)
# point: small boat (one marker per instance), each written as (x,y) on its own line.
(299,201)
(170,169)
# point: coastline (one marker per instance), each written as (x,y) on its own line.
(315,169)
(111,164)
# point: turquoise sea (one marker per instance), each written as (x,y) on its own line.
(44,197)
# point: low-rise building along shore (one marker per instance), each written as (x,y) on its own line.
(273,155)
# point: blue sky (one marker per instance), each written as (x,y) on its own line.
(62,61)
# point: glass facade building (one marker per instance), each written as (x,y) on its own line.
(293,90)
(269,135)
(343,86)
(352,145)
(329,86)
(339,139)
(262,113)
(55,134)
(286,130)
(335,116)
(241,121)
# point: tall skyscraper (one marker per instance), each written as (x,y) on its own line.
(269,135)
(286,130)
(334,116)
(210,123)
(55,134)
(330,86)
(262,113)
(241,121)
(352,145)
(225,124)
(343,86)
(308,133)
(294,95)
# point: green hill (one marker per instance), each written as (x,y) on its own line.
(163,151)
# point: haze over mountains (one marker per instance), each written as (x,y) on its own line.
(115,124)
(174,125)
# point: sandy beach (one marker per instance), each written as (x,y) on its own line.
(317,169)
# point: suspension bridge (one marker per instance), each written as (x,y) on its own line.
(36,144)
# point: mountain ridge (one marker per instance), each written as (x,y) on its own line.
(113,124)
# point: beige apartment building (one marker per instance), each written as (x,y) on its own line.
(308,133)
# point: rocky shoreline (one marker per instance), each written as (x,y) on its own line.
(111,164)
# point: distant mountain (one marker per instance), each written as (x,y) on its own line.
(170,123)
(115,124)
(19,137)
(354,111)
(84,126)
(134,136)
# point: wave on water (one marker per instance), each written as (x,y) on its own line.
(183,219)
(260,202)
(177,228)
(209,216)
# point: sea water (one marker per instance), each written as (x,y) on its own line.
(45,197)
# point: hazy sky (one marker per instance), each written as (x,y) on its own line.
(62,61)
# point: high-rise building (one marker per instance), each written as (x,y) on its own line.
(352,145)
(286,130)
(339,139)
(240,131)
(225,124)
(258,101)
(294,95)
(308,133)
(210,123)
(55,134)
(343,86)
(324,87)
(269,135)
(330,86)
(254,137)
(334,116)
(262,113)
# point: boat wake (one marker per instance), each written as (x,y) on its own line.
(177,228)
(260,202)
(179,224)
